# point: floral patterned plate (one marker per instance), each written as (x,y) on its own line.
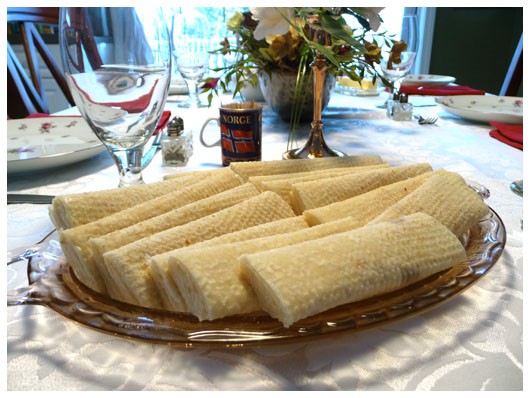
(427,80)
(484,108)
(45,142)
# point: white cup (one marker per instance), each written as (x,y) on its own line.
(201,138)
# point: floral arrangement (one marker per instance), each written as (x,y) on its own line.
(270,38)
(280,39)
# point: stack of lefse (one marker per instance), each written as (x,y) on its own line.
(291,238)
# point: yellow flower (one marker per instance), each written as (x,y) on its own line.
(225,46)
(235,22)
(373,53)
(285,46)
(395,53)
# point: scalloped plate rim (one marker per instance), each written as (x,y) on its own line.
(61,156)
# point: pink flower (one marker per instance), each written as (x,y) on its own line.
(45,127)
(210,84)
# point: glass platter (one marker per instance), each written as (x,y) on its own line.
(53,284)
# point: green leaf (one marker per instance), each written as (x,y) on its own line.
(239,86)
(338,29)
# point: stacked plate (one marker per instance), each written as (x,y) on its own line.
(484,108)
(427,80)
(35,144)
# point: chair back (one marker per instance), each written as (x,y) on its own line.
(514,76)
(26,94)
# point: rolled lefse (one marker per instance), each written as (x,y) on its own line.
(75,241)
(298,281)
(313,194)
(247,169)
(127,265)
(179,216)
(258,181)
(446,197)
(158,265)
(209,279)
(365,207)
(68,211)
(195,173)
(284,186)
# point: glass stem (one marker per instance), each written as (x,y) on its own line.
(397,85)
(194,96)
(129,164)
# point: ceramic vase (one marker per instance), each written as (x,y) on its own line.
(279,92)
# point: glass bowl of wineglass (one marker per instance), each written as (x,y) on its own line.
(118,66)
(394,69)
(191,46)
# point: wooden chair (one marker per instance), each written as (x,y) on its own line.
(26,93)
(514,76)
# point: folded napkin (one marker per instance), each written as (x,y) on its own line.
(511,134)
(162,123)
(441,90)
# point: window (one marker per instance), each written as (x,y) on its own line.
(391,16)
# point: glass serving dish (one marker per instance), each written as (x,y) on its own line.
(359,92)
(53,284)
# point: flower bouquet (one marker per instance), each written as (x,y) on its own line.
(270,39)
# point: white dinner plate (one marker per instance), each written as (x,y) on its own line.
(178,86)
(427,80)
(45,142)
(484,108)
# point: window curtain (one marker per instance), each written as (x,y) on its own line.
(126,29)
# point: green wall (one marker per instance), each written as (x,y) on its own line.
(475,44)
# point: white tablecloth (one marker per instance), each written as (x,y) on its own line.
(473,342)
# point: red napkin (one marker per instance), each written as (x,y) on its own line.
(162,123)
(441,90)
(511,134)
(134,106)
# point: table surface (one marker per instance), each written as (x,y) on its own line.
(473,342)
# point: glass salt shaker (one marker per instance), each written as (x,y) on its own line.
(176,144)
(402,109)
(390,105)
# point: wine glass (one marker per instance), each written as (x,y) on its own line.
(191,46)
(118,65)
(395,70)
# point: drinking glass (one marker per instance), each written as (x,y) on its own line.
(396,71)
(191,46)
(118,65)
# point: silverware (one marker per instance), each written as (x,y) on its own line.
(517,187)
(29,198)
(426,120)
